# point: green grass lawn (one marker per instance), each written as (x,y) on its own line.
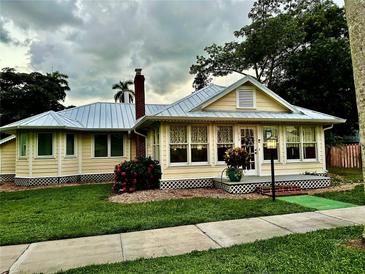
(316,252)
(68,212)
(349,174)
(355,196)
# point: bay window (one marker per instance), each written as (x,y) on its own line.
(270,132)
(45,144)
(178,144)
(224,141)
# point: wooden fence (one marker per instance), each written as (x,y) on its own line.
(346,156)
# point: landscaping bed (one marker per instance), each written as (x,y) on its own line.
(168,194)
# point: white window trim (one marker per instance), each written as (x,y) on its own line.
(253,98)
(109,146)
(216,143)
(52,156)
(23,157)
(188,144)
(75,146)
(301,148)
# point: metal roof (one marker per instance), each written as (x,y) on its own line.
(7,139)
(121,116)
(96,116)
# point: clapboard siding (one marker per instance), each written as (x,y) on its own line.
(263,102)
(7,157)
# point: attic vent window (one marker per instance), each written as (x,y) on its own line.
(246,98)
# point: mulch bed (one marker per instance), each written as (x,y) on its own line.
(167,194)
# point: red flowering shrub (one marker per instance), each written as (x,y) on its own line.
(138,174)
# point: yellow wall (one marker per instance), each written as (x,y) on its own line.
(263,102)
(91,164)
(59,164)
(7,157)
(214,169)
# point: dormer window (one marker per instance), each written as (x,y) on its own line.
(246,98)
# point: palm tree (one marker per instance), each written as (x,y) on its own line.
(122,88)
(355,10)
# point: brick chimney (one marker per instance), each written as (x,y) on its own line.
(140,110)
(139,93)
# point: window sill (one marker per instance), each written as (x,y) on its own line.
(23,158)
(44,157)
(70,157)
(108,157)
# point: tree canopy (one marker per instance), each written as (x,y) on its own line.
(298,48)
(26,94)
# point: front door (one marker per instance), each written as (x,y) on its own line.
(248,142)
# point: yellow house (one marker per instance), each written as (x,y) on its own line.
(189,137)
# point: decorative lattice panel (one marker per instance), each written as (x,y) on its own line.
(188,183)
(64,179)
(251,187)
(97,177)
(6,178)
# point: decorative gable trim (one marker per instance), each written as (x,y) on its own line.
(240,82)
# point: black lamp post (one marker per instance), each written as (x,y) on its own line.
(272,144)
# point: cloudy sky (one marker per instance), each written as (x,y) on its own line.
(97,43)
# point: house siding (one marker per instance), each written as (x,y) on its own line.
(214,169)
(263,102)
(7,157)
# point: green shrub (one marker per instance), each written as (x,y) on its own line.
(138,174)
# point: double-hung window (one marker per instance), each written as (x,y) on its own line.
(108,145)
(45,144)
(178,144)
(301,143)
(270,132)
(199,144)
(293,143)
(70,144)
(156,144)
(188,144)
(224,141)
(23,139)
(309,143)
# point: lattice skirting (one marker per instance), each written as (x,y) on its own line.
(251,187)
(90,178)
(6,178)
(186,183)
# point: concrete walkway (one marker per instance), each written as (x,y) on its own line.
(52,256)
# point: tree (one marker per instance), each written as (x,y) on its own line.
(298,48)
(26,94)
(122,88)
(355,10)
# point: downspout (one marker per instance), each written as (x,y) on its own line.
(327,128)
(144,136)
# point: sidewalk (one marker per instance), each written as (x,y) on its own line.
(52,256)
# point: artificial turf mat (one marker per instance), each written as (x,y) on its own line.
(318,203)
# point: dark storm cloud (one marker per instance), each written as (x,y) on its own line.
(111,38)
(40,14)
